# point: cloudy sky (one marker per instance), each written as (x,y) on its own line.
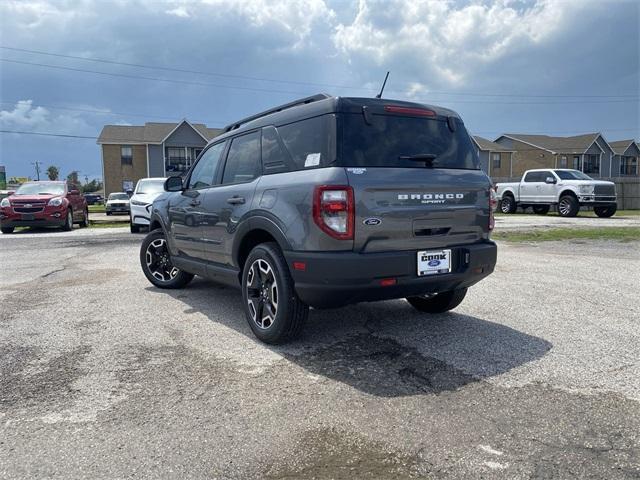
(530,66)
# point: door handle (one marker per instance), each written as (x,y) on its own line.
(235,200)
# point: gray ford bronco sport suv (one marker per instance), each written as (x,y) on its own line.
(328,201)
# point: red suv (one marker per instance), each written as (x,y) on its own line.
(44,204)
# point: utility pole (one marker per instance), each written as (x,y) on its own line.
(37,165)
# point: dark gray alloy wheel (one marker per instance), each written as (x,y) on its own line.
(507,205)
(262,294)
(156,263)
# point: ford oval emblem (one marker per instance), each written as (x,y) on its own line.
(372,221)
(434,263)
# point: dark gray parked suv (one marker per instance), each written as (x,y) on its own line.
(328,201)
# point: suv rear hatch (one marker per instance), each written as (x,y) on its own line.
(415,176)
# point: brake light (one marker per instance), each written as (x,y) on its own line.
(333,210)
(421,112)
(493,202)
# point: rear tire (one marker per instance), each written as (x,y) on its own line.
(85,219)
(155,261)
(508,204)
(68,224)
(438,303)
(605,212)
(271,305)
(541,209)
(568,206)
(6,229)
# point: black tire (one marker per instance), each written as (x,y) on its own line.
(541,209)
(508,204)
(568,206)
(85,219)
(108,213)
(605,212)
(438,303)
(6,229)
(68,223)
(134,228)
(156,263)
(265,267)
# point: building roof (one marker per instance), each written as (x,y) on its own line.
(574,144)
(621,146)
(150,132)
(489,146)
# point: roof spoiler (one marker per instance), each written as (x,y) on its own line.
(295,103)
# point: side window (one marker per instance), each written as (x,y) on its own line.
(531,177)
(243,161)
(275,157)
(203,174)
(309,142)
(544,175)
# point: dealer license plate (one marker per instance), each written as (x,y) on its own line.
(434,262)
(28,216)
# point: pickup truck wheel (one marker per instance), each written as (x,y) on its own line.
(271,305)
(508,205)
(438,303)
(156,263)
(6,229)
(568,206)
(68,224)
(605,212)
(541,209)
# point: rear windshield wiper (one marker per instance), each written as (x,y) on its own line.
(428,158)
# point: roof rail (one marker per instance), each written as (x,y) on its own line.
(295,103)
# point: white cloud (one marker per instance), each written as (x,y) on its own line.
(443,41)
(25,117)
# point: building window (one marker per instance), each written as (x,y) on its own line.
(496,160)
(576,162)
(126,155)
(563,161)
(176,159)
(628,166)
(592,164)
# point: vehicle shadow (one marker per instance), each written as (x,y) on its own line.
(385,348)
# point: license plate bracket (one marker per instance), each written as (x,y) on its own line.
(434,262)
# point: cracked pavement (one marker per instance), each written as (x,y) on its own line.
(535,375)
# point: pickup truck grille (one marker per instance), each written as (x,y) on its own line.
(608,190)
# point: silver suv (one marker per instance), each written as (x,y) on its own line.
(325,202)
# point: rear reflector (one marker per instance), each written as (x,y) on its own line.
(387,282)
(301,266)
(420,112)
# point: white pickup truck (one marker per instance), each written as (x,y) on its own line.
(566,189)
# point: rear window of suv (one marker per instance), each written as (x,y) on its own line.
(390,137)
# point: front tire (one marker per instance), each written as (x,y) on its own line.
(568,206)
(85,219)
(605,212)
(68,224)
(7,229)
(271,305)
(541,209)
(508,205)
(155,260)
(438,303)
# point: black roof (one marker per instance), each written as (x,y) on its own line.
(316,105)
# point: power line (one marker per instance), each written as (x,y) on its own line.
(291,82)
(207,84)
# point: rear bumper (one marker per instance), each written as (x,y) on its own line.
(341,278)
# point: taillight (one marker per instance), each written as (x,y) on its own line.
(493,202)
(333,210)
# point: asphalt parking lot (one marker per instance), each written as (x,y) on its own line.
(535,375)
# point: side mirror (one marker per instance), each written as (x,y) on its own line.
(11,192)
(550,180)
(173,184)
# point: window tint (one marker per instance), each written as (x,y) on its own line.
(203,174)
(534,177)
(390,137)
(243,160)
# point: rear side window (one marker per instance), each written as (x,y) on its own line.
(534,177)
(243,160)
(300,145)
(389,137)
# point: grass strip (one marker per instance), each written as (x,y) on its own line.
(620,234)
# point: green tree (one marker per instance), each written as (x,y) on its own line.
(73,177)
(92,186)
(53,173)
